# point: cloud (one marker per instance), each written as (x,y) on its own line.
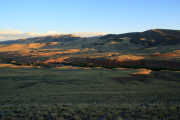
(89,34)
(42,34)
(17,34)
(10,32)
(1,37)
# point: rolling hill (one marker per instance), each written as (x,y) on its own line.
(152,49)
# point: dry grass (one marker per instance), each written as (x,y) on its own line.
(173,54)
(59,52)
(88,49)
(52,43)
(158,31)
(20,47)
(123,58)
(14,66)
(142,72)
(57,60)
(14,47)
(68,67)
(36,45)
(113,43)
(142,39)
(49,53)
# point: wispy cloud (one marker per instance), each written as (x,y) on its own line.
(17,34)
(89,34)
(10,32)
(1,37)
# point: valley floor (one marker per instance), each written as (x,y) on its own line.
(49,91)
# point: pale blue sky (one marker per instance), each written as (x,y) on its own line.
(111,16)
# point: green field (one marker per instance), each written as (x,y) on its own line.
(77,86)
(92,94)
(90,112)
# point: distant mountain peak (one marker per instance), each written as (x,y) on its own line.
(16,34)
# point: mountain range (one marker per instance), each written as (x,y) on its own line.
(16,34)
(153,49)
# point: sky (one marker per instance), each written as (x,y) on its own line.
(35,17)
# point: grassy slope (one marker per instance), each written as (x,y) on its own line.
(100,86)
